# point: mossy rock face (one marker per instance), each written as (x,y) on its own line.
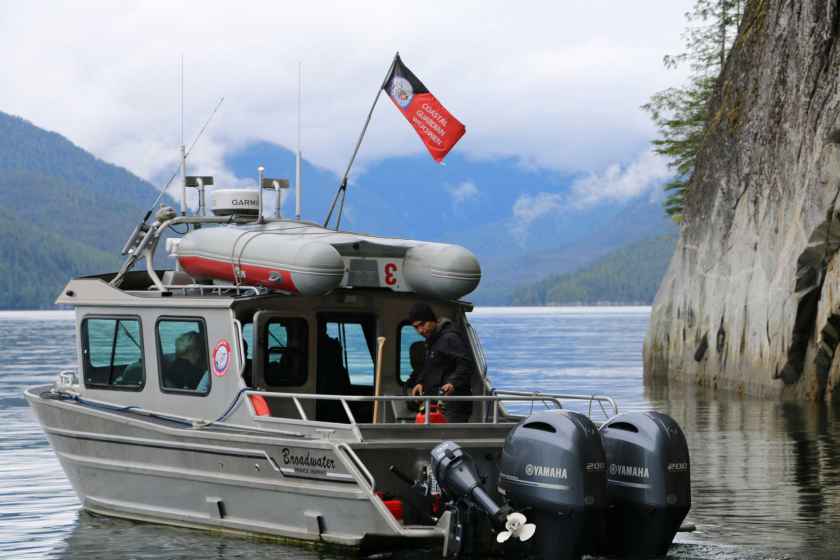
(762,217)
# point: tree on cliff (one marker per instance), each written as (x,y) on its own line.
(680,113)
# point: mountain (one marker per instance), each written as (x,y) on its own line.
(638,220)
(466,201)
(64,213)
(630,275)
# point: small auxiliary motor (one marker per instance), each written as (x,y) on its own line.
(456,475)
(648,484)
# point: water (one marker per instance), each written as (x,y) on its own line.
(765,475)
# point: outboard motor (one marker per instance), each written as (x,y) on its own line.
(648,483)
(553,463)
(456,475)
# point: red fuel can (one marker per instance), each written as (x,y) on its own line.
(435,416)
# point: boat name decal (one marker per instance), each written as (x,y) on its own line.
(544,471)
(629,470)
(322,462)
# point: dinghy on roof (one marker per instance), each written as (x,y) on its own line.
(306,259)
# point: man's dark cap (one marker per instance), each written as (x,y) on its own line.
(421,312)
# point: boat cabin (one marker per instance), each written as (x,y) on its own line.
(190,351)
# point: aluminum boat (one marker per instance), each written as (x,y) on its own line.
(257,388)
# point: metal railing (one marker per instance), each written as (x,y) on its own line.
(600,399)
(357,462)
(215,290)
(496,399)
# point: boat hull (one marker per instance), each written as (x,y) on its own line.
(154,472)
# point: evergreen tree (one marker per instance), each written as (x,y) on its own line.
(681,113)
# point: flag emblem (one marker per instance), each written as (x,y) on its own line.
(401,91)
(438,128)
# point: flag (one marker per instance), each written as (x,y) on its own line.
(438,129)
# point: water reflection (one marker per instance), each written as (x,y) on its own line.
(102,537)
(764,474)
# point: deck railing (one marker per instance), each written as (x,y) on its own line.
(202,290)
(550,401)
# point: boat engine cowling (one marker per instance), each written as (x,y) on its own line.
(553,467)
(648,483)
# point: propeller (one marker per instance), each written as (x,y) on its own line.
(517,526)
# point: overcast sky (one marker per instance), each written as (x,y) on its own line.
(555,84)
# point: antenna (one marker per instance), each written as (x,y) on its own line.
(183,148)
(260,171)
(297,155)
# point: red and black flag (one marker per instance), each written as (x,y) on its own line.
(438,129)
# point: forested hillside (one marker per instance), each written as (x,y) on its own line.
(63,213)
(629,275)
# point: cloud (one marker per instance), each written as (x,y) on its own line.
(106,75)
(527,209)
(462,192)
(616,183)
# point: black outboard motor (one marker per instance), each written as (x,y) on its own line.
(554,464)
(648,483)
(456,475)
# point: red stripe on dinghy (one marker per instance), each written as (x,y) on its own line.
(202,267)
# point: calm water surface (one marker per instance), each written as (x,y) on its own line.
(765,475)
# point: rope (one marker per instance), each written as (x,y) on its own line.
(115,408)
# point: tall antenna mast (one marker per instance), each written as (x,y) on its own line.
(183,148)
(297,155)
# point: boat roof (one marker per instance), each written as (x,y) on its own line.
(136,291)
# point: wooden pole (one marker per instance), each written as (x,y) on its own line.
(380,347)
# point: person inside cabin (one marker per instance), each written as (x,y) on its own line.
(333,378)
(289,368)
(189,368)
(417,358)
(448,364)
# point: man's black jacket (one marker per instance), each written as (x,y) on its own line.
(448,360)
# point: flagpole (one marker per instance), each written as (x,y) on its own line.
(342,188)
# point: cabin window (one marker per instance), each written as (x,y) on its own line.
(112,349)
(182,355)
(346,347)
(286,359)
(411,343)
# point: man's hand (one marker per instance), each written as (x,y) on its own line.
(417,390)
(447,389)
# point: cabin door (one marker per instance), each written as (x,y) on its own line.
(346,351)
(284,359)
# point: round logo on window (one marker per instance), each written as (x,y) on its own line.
(221,358)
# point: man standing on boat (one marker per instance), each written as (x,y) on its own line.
(449,365)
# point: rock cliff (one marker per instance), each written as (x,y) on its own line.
(751,299)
